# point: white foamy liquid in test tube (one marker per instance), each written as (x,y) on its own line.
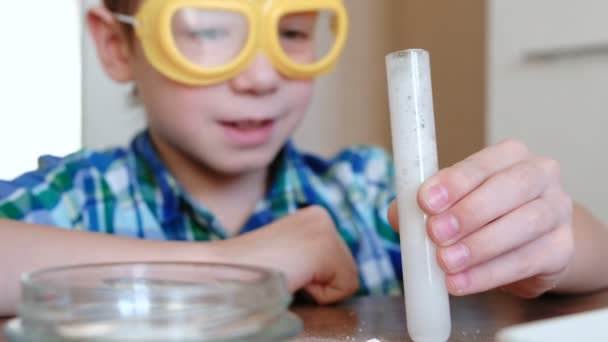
(415,152)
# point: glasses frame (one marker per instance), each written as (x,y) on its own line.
(152,26)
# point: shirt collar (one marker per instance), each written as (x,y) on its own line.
(169,203)
(291,187)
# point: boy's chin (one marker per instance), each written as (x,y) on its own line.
(244,163)
(240,169)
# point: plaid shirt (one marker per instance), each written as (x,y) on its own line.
(130,193)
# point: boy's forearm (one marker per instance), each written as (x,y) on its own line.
(587,271)
(25,248)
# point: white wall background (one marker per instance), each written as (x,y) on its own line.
(40,89)
(559,106)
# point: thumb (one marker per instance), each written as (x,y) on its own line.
(329,286)
(393,216)
(325,294)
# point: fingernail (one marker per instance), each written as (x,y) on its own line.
(444,228)
(455,256)
(460,283)
(437,197)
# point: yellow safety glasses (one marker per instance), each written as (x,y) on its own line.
(202,42)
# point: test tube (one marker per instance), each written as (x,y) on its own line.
(415,153)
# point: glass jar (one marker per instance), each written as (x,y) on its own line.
(154,302)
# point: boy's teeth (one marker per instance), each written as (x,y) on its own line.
(248,124)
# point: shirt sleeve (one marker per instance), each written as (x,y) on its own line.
(380,176)
(46,196)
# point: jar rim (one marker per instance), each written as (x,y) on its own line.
(151,290)
(36,280)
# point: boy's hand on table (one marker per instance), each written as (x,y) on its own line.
(500,219)
(307,248)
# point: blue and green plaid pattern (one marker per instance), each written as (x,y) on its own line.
(129,192)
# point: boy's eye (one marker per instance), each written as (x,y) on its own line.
(295,34)
(209,33)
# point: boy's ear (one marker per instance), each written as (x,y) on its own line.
(112,44)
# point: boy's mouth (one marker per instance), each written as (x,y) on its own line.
(248,133)
(247,124)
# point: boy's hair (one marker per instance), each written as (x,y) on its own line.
(121,6)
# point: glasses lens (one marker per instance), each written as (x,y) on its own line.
(308,37)
(209,38)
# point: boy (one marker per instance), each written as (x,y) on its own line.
(215,165)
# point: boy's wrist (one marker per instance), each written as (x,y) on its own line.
(201,252)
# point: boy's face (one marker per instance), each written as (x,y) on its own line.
(210,100)
(232,127)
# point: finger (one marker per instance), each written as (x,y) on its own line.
(545,256)
(332,285)
(393,216)
(325,294)
(497,196)
(451,184)
(518,228)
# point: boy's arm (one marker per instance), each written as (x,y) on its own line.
(25,247)
(304,246)
(587,270)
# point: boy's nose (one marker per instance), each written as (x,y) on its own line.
(260,78)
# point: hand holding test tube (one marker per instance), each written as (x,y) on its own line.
(415,153)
